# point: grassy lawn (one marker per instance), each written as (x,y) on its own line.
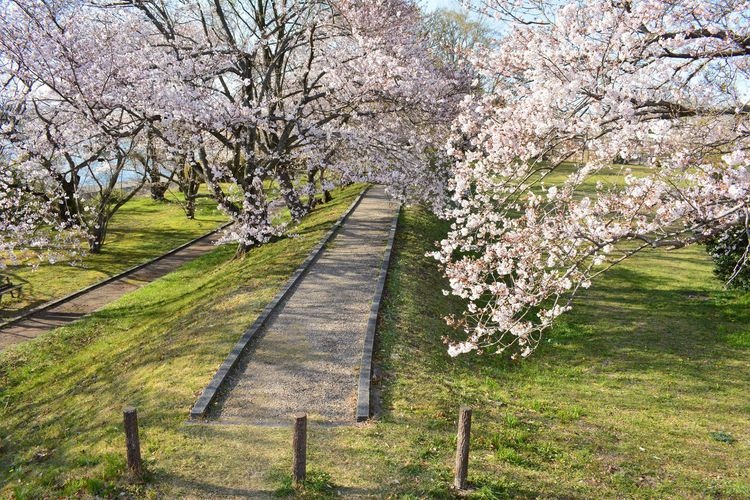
(141,230)
(641,391)
(61,395)
(635,394)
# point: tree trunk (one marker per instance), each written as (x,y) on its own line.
(98,233)
(291,198)
(251,222)
(188,180)
(311,188)
(158,188)
(326,194)
(96,239)
(68,213)
(190,207)
(189,188)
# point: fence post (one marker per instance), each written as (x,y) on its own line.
(299,448)
(462,448)
(132,443)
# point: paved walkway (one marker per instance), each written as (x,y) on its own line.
(307,358)
(97,298)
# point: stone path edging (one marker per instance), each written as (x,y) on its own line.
(365,372)
(202,405)
(123,274)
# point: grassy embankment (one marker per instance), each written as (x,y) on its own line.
(141,230)
(641,390)
(61,394)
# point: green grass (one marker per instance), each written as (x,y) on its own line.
(61,395)
(626,399)
(640,392)
(141,230)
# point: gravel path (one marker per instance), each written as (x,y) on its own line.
(84,304)
(307,358)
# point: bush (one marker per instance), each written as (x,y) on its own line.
(727,250)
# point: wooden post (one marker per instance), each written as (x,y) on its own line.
(462,448)
(132,443)
(299,446)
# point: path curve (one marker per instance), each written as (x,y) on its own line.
(307,357)
(97,296)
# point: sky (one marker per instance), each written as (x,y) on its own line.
(431,5)
(743,85)
(445,4)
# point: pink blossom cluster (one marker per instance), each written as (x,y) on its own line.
(607,128)
(29,233)
(245,93)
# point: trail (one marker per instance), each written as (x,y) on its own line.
(76,307)
(307,357)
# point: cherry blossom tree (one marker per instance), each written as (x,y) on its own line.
(290,90)
(608,127)
(30,232)
(299,93)
(64,67)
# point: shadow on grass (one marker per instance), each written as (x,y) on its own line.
(644,357)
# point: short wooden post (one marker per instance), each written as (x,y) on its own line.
(299,446)
(462,448)
(132,443)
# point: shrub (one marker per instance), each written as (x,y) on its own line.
(728,250)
